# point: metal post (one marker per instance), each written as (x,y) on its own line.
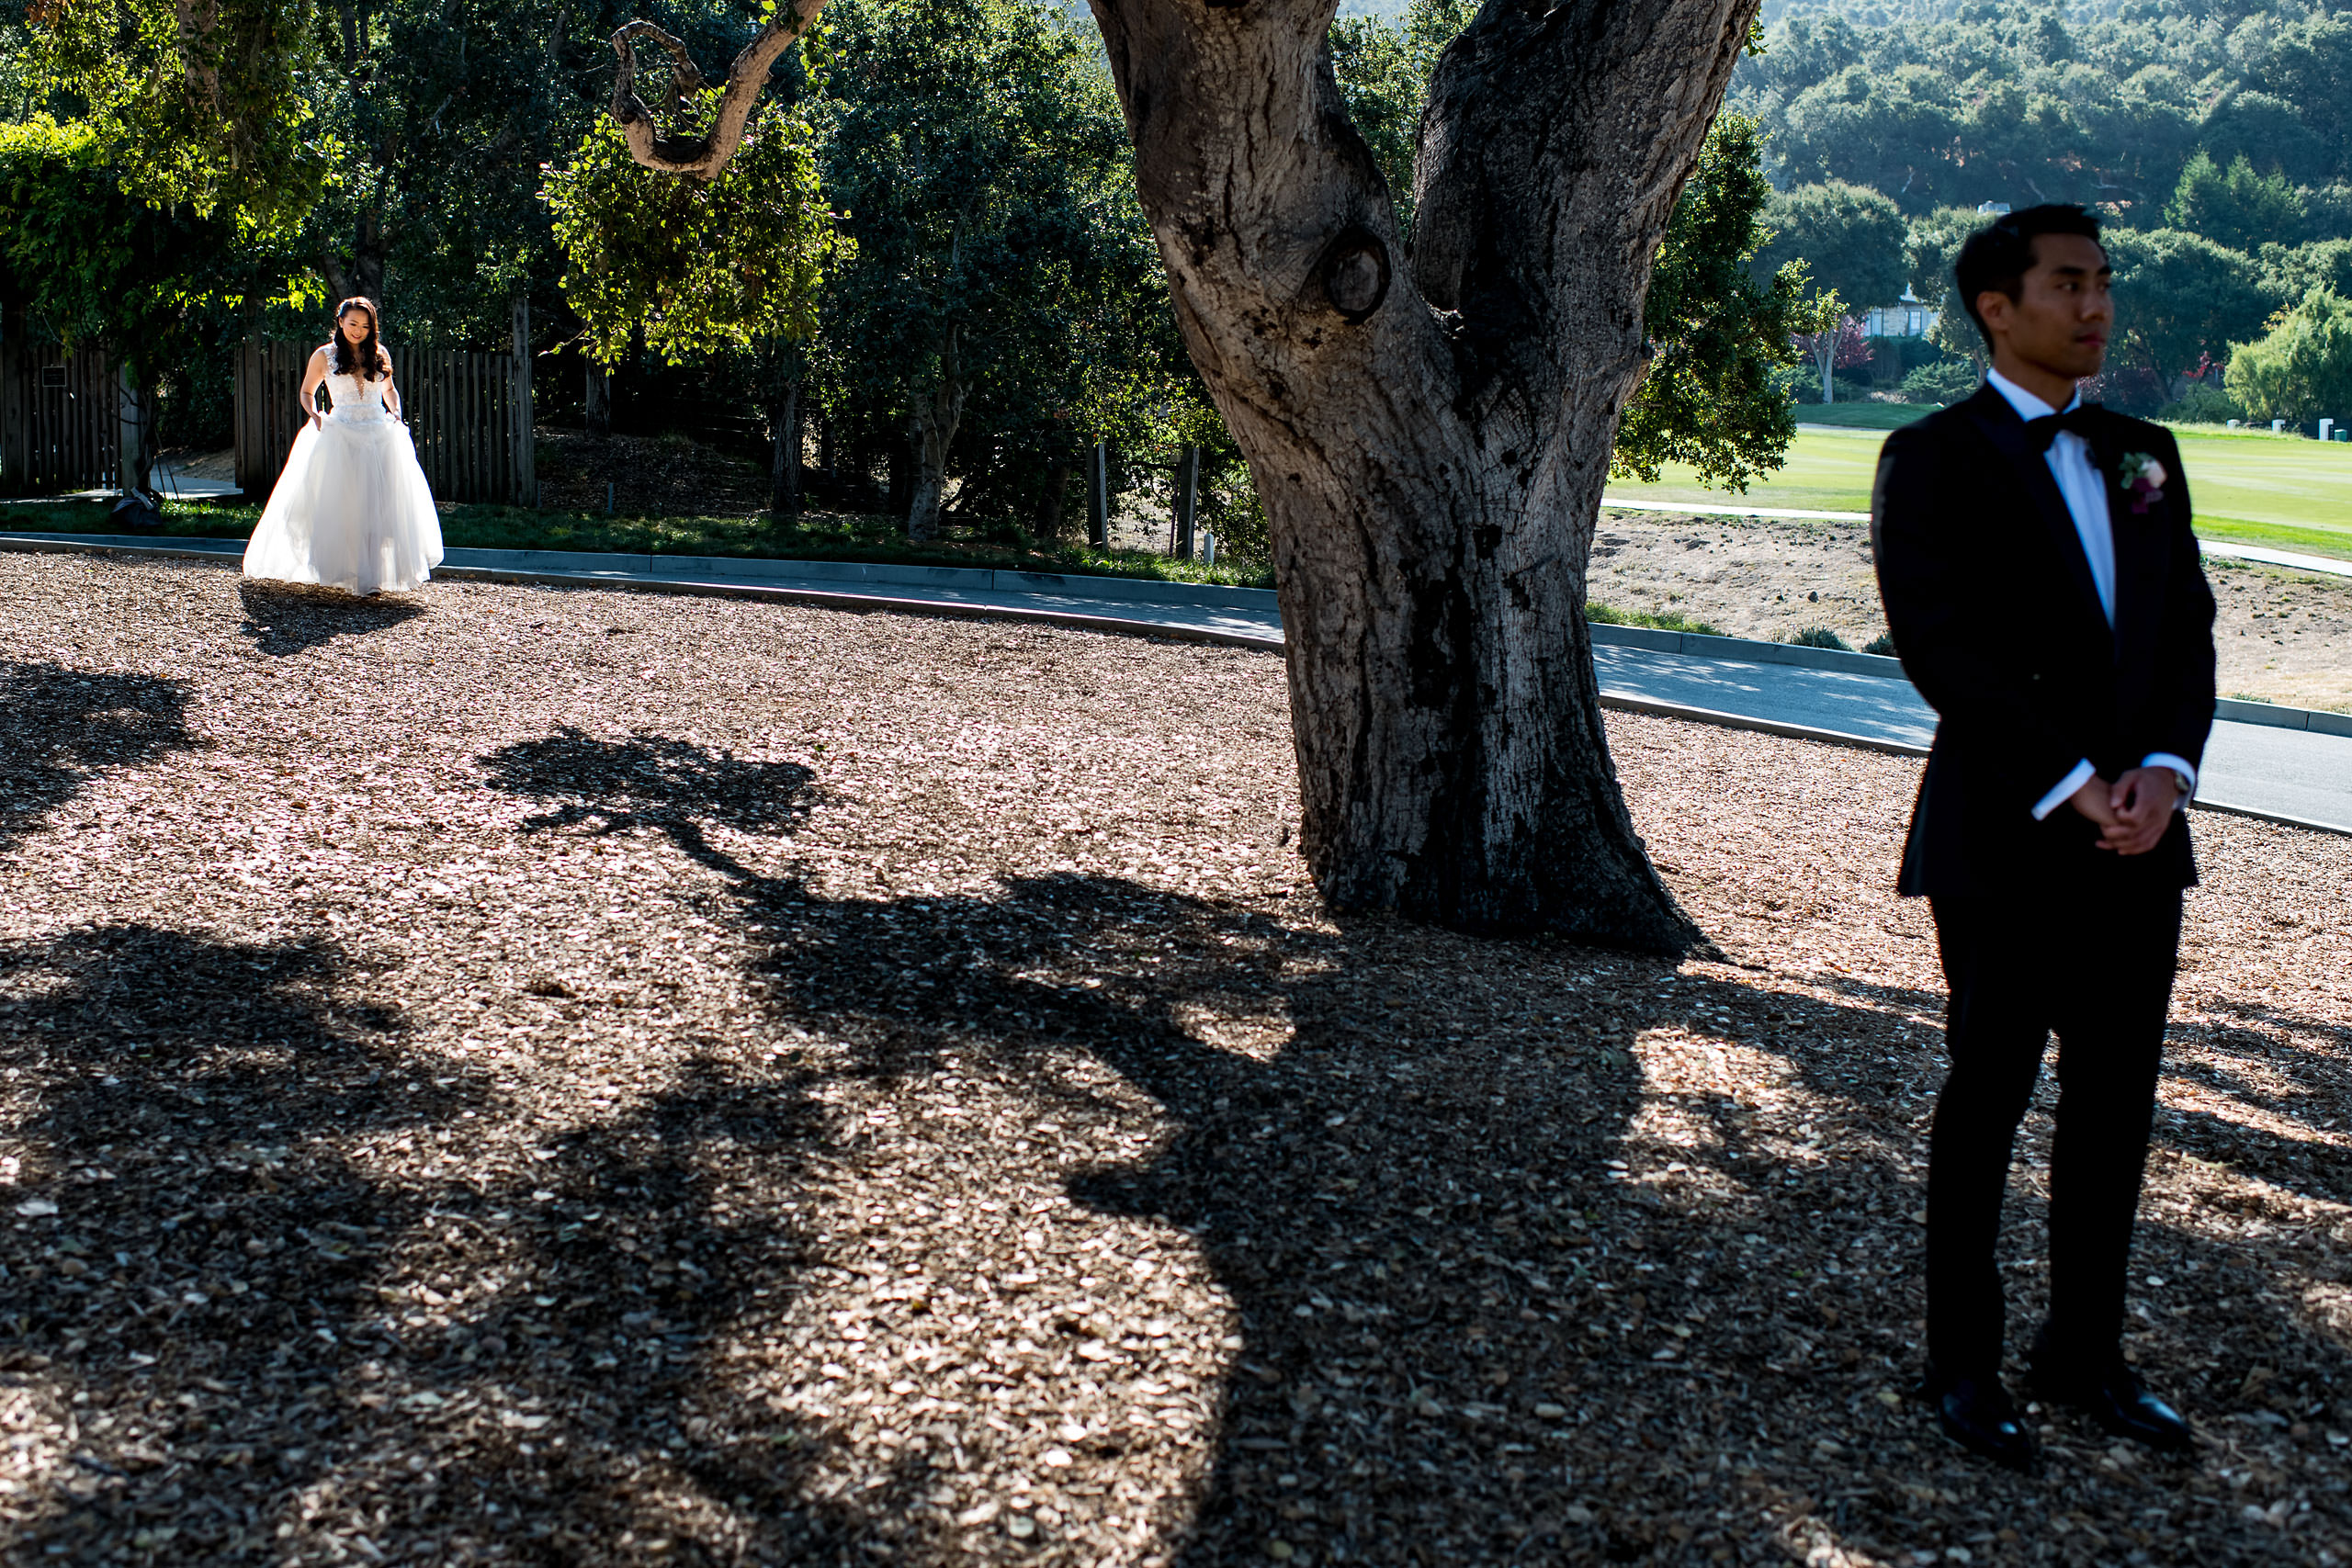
(1098,496)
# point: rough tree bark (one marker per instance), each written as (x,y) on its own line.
(931,428)
(1051,505)
(784,476)
(1430,435)
(599,399)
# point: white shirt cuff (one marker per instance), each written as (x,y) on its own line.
(2178,765)
(2084,773)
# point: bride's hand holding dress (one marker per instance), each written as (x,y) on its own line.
(352,509)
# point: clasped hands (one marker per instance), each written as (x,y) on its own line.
(2132,813)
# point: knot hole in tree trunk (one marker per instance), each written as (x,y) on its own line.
(1354,273)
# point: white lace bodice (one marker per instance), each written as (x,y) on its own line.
(356,399)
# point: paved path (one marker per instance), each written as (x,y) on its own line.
(2289,774)
(2276,768)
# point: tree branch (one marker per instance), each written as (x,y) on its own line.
(1530,117)
(700,157)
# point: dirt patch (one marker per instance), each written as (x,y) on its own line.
(2282,637)
(542,1075)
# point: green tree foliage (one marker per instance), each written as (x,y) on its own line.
(164,153)
(2020,101)
(2180,296)
(1710,398)
(202,106)
(1005,305)
(691,267)
(2301,369)
(2235,206)
(1931,246)
(2292,271)
(448,110)
(1851,237)
(83,247)
(1384,69)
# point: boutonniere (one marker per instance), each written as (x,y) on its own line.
(2142,478)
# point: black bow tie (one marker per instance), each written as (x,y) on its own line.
(2081,418)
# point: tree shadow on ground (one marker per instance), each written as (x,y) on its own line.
(60,727)
(286,618)
(1501,1290)
(274,1335)
(1500,1299)
(648,781)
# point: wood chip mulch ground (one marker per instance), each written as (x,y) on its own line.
(546,1077)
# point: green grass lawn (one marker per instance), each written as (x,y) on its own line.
(2250,487)
(818,537)
(1863,416)
(1828,470)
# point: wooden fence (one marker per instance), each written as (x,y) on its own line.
(469,415)
(59,418)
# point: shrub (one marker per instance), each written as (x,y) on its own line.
(2303,368)
(2203,404)
(1944,382)
(1663,621)
(1881,645)
(1818,637)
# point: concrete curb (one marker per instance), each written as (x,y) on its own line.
(2274,716)
(1755,652)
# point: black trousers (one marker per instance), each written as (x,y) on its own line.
(2097,966)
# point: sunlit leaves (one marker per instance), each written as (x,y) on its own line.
(696,267)
(206,105)
(100,262)
(1710,399)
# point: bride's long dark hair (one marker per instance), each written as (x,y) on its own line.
(369,361)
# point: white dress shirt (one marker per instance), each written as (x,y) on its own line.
(2084,489)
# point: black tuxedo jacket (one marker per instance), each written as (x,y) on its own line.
(1991,604)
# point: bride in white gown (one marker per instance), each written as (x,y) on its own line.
(352,509)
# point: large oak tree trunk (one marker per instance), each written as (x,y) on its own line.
(1430,434)
(1431,444)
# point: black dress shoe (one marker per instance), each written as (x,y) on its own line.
(1976,1413)
(2118,1401)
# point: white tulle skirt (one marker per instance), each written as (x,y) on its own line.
(352,511)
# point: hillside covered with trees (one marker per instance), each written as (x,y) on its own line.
(2215,135)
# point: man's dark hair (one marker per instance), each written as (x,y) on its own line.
(1998,255)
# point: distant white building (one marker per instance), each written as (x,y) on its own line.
(1907,317)
(1991,209)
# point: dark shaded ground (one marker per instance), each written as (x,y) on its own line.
(574,1078)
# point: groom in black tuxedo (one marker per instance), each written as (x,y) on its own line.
(2043,590)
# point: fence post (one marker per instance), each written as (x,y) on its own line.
(1098,496)
(525,476)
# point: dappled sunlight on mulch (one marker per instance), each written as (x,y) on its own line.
(569,1076)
